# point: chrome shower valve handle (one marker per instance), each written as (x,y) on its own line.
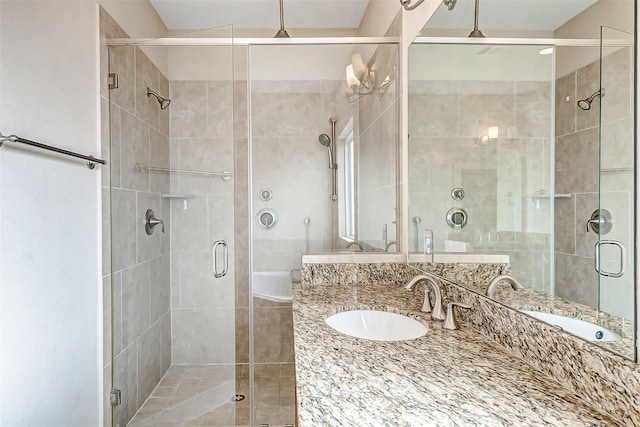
(151,221)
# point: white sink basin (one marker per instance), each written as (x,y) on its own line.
(577,327)
(376,325)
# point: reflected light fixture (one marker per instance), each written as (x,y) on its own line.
(491,135)
(363,80)
(546,51)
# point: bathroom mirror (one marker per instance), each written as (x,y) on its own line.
(502,122)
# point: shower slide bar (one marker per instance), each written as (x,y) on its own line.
(91,161)
(225,175)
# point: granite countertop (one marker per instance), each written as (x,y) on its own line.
(445,378)
(477,278)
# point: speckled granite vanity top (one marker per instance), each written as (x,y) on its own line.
(445,378)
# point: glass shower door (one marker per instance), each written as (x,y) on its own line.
(172,235)
(614,251)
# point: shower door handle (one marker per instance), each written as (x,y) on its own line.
(225,257)
(623,258)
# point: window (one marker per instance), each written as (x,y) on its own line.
(349,187)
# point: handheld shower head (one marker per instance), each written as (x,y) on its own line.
(585,104)
(324,139)
(164,102)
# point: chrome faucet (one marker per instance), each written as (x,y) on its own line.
(504,278)
(450,322)
(437,313)
(354,243)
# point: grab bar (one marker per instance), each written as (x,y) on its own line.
(225,257)
(91,161)
(225,175)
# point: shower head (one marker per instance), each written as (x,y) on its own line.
(324,139)
(585,104)
(164,102)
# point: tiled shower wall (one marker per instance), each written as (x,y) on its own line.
(577,166)
(202,212)
(286,119)
(140,263)
(498,178)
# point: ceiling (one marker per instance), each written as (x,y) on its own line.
(260,14)
(531,15)
(536,15)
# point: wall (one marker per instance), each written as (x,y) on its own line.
(50,293)
(139,19)
(587,25)
(138,292)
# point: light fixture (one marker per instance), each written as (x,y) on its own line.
(363,80)
(407,4)
(490,135)
(493,132)
(546,51)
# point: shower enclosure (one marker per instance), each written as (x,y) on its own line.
(171,283)
(216,181)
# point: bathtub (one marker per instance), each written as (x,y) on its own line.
(272,285)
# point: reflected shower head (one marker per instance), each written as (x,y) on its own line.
(585,104)
(324,139)
(164,102)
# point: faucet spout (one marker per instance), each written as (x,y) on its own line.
(357,244)
(515,285)
(437,313)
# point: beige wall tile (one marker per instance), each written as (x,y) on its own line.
(577,162)
(123,228)
(149,246)
(575,280)
(135,302)
(202,336)
(566,104)
(149,361)
(188,109)
(565,225)
(134,152)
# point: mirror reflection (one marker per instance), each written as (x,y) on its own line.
(524,151)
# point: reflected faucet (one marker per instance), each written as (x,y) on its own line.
(386,248)
(350,245)
(504,278)
(437,313)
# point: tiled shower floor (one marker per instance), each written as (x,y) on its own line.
(200,395)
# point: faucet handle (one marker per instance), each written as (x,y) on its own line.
(450,321)
(426,304)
